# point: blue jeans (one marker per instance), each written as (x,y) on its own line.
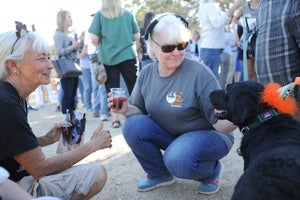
(100,97)
(79,90)
(100,103)
(211,58)
(87,88)
(69,89)
(192,155)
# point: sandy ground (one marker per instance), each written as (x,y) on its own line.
(123,169)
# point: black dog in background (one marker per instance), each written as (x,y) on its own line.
(270,145)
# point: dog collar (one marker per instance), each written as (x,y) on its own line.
(260,118)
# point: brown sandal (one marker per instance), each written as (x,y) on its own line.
(116,124)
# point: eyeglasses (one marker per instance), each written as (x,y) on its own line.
(21,30)
(171,47)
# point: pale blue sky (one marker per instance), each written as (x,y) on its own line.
(42,13)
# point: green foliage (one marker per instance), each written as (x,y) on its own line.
(189,9)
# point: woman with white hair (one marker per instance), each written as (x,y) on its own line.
(170,110)
(24,65)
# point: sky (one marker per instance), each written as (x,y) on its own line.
(42,13)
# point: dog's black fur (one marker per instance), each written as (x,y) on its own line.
(271,151)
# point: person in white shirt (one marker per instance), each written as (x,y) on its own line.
(213,21)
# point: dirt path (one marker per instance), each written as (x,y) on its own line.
(123,169)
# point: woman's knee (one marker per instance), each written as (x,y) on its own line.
(103,178)
(133,124)
(136,128)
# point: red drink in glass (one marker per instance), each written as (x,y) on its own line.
(118,102)
(119,96)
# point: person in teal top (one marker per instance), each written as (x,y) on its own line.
(115,32)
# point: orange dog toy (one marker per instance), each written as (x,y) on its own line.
(280,98)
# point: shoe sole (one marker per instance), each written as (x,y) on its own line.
(218,188)
(156,186)
(213,192)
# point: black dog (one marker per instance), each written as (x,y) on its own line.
(270,145)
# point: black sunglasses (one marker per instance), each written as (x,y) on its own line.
(171,47)
(21,30)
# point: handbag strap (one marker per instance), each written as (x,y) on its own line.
(247,25)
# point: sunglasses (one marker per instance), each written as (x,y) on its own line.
(171,47)
(21,30)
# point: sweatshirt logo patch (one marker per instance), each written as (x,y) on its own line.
(175,99)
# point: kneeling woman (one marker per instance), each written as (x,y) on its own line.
(170,110)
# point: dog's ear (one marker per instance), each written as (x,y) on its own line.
(218,99)
(243,109)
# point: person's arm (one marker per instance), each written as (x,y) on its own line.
(236,39)
(218,20)
(132,110)
(224,126)
(52,136)
(136,38)
(126,109)
(83,52)
(95,40)
(9,190)
(236,18)
(38,165)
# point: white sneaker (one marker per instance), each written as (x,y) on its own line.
(104,118)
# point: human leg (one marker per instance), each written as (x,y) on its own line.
(232,67)
(146,140)
(104,110)
(95,188)
(79,90)
(69,86)
(50,93)
(113,81)
(78,182)
(211,58)
(251,70)
(128,70)
(224,66)
(39,96)
(87,88)
(198,153)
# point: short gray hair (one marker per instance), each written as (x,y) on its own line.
(173,26)
(14,49)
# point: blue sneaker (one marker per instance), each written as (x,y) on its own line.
(151,184)
(213,187)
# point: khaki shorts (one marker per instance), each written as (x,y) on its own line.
(73,181)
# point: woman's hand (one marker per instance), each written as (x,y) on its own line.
(117,110)
(52,136)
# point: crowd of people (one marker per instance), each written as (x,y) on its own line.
(168,72)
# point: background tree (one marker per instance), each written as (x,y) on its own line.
(189,9)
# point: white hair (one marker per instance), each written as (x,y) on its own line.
(172,26)
(14,49)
